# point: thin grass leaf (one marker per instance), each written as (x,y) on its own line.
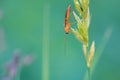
(91,53)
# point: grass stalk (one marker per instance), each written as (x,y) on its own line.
(88,73)
(100,50)
(45,43)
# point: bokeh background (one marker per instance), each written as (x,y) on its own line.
(36,27)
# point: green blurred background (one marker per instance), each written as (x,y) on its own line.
(36,27)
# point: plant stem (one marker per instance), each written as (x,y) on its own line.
(88,73)
(45,51)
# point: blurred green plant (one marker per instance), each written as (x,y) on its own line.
(45,43)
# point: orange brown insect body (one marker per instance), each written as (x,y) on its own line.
(67,17)
(67,25)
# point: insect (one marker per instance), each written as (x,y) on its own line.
(67,24)
(67,17)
